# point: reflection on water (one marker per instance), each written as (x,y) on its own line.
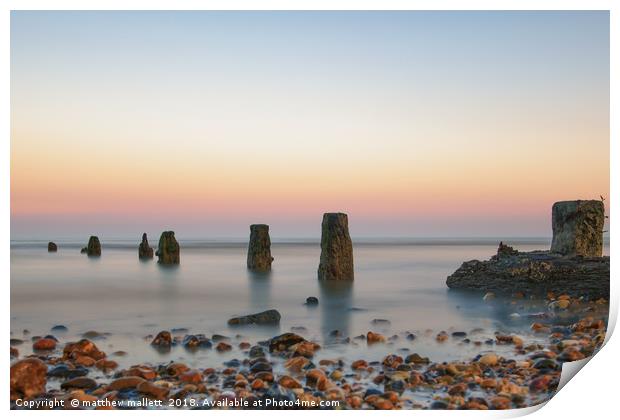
(336,300)
(259,297)
(119,294)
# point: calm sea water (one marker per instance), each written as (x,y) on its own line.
(403,282)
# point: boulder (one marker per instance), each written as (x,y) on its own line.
(336,248)
(93,249)
(52,247)
(145,252)
(259,249)
(28,378)
(578,228)
(270,316)
(168,251)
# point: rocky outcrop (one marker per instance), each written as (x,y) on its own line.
(93,249)
(52,247)
(574,265)
(28,378)
(270,316)
(145,252)
(535,273)
(578,228)
(169,251)
(259,249)
(336,248)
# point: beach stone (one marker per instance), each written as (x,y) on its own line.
(28,378)
(44,344)
(163,339)
(297,364)
(52,247)
(169,251)
(106,365)
(256,351)
(489,359)
(152,390)
(417,359)
(223,347)
(359,364)
(93,249)
(312,301)
(197,341)
(305,349)
(63,371)
(289,382)
(84,347)
(59,329)
(578,228)
(126,382)
(145,252)
(270,316)
(372,338)
(81,382)
(259,248)
(284,341)
(336,261)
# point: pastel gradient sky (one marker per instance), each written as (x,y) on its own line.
(443,124)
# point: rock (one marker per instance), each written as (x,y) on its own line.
(297,364)
(312,301)
(191,376)
(259,248)
(336,248)
(196,342)
(578,228)
(284,341)
(489,359)
(93,249)
(535,273)
(92,335)
(145,252)
(44,344)
(372,338)
(223,347)
(359,364)
(52,247)
(270,316)
(162,340)
(28,378)
(59,329)
(304,348)
(152,390)
(106,365)
(288,382)
(81,382)
(83,347)
(504,250)
(63,371)
(168,251)
(126,382)
(417,359)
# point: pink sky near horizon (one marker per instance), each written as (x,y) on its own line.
(171,131)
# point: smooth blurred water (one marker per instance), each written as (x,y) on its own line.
(401,281)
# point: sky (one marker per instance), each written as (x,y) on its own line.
(416,124)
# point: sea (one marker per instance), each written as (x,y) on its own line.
(399,289)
